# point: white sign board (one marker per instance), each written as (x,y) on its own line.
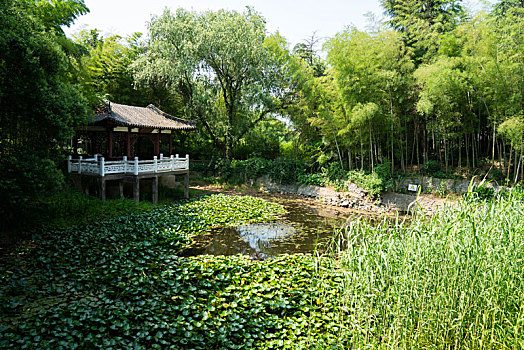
(412,188)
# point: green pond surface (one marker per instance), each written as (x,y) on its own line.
(305,228)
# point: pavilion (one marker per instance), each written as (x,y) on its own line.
(123,144)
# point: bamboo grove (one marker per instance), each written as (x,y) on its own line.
(432,84)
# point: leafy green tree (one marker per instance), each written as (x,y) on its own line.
(372,73)
(106,75)
(220,62)
(40,101)
(422,22)
(501,8)
(444,102)
(307,52)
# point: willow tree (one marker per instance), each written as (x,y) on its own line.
(220,63)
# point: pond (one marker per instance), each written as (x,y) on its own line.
(304,229)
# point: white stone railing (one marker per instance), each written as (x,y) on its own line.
(98,166)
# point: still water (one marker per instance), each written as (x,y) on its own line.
(305,228)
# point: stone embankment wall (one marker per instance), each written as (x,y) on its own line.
(431,184)
(356,197)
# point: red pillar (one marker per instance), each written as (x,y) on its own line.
(171,143)
(157,144)
(110,143)
(128,144)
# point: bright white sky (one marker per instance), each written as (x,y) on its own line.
(295,20)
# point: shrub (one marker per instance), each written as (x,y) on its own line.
(497,175)
(252,168)
(311,179)
(431,167)
(480,191)
(25,179)
(372,183)
(338,185)
(383,171)
(335,171)
(286,170)
(71,207)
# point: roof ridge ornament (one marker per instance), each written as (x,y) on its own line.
(103,108)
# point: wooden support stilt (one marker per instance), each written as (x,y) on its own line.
(136,190)
(186,185)
(77,182)
(102,189)
(155,189)
(121,189)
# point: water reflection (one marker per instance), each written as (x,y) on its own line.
(303,229)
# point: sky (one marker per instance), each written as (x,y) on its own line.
(296,20)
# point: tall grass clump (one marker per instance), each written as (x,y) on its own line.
(452,281)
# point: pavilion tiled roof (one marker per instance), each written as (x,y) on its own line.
(143,117)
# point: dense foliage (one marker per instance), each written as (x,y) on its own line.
(433,90)
(430,85)
(222,65)
(282,170)
(40,100)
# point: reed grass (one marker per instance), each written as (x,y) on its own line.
(452,281)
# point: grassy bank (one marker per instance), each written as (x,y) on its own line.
(453,281)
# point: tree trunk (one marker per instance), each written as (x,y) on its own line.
(371,147)
(361,151)
(338,149)
(446,154)
(518,168)
(474,141)
(459,153)
(466,136)
(521,168)
(418,149)
(392,132)
(509,163)
(493,148)
(407,140)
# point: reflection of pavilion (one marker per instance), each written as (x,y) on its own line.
(115,140)
(259,236)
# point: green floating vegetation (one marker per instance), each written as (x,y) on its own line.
(455,280)
(119,284)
